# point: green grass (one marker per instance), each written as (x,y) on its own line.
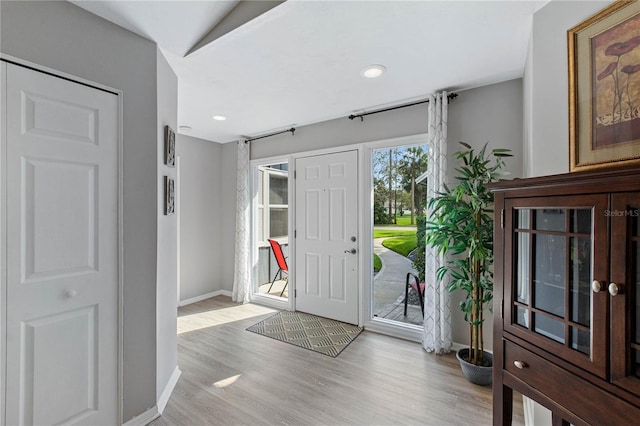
(386,233)
(405,220)
(401,241)
(401,245)
(377,263)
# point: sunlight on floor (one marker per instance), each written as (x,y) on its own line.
(216,317)
(227,382)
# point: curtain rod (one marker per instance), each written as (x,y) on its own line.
(292,130)
(450,96)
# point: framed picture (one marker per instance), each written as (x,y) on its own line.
(604,88)
(169,196)
(169,147)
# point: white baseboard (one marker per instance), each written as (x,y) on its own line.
(145,418)
(204,296)
(455,347)
(168,389)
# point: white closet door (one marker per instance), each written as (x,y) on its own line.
(60,194)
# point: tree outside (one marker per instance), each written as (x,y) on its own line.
(394,184)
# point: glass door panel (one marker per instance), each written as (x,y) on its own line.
(271,222)
(625,304)
(552,266)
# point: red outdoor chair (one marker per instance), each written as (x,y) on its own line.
(418,287)
(282,265)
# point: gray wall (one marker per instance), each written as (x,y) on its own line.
(487,114)
(546,117)
(548,122)
(65,37)
(167,265)
(201,245)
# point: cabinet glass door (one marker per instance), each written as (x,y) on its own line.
(624,291)
(553,246)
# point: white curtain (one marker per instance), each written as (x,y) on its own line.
(437,307)
(242,269)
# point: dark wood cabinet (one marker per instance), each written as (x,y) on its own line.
(567,296)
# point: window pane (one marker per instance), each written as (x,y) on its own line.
(523,277)
(549,327)
(581,221)
(550,219)
(580,340)
(549,274)
(580,280)
(278,190)
(522,316)
(278,222)
(524,219)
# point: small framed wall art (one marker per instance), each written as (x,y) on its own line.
(169,196)
(169,146)
(604,88)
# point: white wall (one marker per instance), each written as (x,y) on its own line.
(201,244)
(167,265)
(64,37)
(548,138)
(487,114)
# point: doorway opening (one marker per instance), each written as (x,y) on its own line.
(271,229)
(399,203)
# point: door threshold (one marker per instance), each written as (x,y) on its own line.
(395,329)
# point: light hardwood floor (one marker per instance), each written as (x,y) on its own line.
(233,376)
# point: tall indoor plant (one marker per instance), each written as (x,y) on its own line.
(460,225)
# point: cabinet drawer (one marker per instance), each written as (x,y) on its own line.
(567,390)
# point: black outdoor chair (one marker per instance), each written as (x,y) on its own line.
(418,287)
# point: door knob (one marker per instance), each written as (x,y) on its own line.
(614,289)
(71,294)
(352,251)
(596,286)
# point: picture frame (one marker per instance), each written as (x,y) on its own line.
(169,146)
(604,88)
(169,196)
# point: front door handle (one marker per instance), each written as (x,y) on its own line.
(352,251)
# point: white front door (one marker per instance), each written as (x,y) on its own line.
(60,194)
(326,267)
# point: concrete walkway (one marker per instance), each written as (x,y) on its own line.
(388,285)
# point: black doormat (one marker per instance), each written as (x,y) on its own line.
(323,335)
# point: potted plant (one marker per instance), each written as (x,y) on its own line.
(461,225)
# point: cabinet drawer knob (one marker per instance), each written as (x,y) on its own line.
(596,286)
(614,289)
(520,364)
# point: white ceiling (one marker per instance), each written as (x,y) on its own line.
(300,62)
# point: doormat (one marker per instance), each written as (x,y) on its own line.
(323,335)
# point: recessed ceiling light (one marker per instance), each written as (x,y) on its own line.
(219,117)
(185,129)
(373,71)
